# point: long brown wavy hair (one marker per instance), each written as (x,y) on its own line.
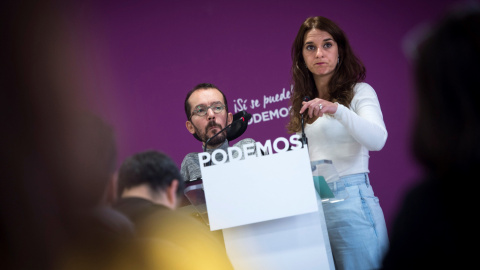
(350,70)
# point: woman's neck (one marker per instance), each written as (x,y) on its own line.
(322,86)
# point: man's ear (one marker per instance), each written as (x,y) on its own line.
(171,193)
(190,127)
(229,118)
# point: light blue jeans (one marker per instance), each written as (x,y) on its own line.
(356,226)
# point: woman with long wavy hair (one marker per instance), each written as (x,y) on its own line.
(343,122)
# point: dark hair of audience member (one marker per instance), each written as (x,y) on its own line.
(150,167)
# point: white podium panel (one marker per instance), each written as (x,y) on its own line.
(259,189)
(297,242)
(272,217)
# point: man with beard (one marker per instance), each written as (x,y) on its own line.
(207,113)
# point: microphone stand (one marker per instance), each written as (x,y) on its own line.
(304,137)
(216,134)
(243,118)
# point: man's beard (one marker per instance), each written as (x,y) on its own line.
(220,138)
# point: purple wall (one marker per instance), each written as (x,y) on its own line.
(144,57)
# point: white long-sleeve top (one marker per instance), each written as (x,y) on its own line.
(347,136)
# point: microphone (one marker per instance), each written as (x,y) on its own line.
(304,137)
(245,118)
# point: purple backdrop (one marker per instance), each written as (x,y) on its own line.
(143,58)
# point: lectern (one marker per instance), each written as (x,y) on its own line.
(268,209)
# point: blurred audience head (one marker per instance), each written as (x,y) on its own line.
(447,125)
(98,139)
(56,159)
(154,171)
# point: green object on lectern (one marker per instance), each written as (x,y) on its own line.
(322,188)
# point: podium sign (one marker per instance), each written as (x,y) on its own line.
(258,189)
(269,212)
(297,242)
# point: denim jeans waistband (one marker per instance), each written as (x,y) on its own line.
(348,181)
(355,179)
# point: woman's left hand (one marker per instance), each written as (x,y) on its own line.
(317,107)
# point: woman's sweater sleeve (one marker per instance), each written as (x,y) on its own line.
(364,119)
